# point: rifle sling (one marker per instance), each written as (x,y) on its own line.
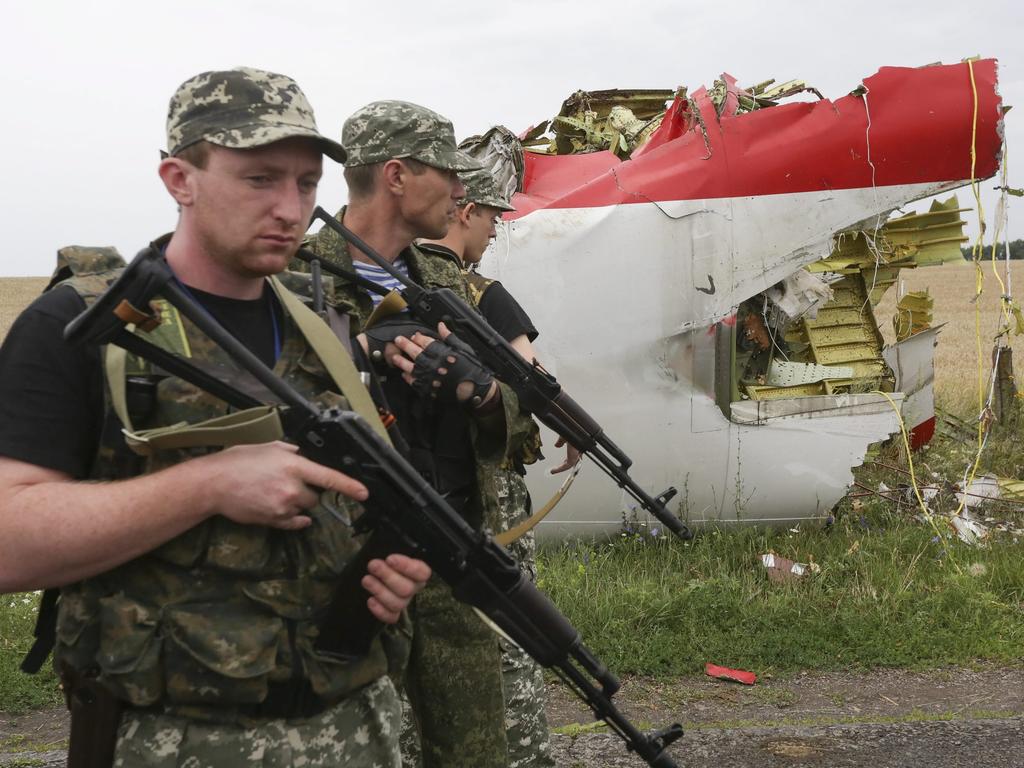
(254,425)
(333,355)
(516,532)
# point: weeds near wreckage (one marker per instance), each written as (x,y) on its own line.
(884,596)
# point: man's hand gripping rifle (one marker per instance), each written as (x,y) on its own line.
(538,391)
(403,513)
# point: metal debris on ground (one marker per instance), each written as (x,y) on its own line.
(989,504)
(781,570)
(724,673)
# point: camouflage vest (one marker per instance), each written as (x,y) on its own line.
(478,285)
(204,623)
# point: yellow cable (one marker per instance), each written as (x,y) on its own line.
(928,515)
(979,280)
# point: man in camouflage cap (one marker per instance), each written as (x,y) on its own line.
(402,174)
(191,579)
(507,496)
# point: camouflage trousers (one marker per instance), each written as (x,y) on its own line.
(453,684)
(526,725)
(360,732)
(522,679)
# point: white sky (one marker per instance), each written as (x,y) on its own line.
(86,84)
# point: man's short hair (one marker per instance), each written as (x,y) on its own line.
(197,154)
(362,179)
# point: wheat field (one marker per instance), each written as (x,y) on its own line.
(956,356)
(952,286)
(16,293)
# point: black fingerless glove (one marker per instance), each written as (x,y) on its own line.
(388,330)
(443,365)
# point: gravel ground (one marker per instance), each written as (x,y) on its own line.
(881,719)
(993,743)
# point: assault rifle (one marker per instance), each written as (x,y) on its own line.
(403,513)
(538,391)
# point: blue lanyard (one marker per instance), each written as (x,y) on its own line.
(270,309)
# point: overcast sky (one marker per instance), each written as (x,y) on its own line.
(86,84)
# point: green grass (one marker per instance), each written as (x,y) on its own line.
(20,692)
(891,591)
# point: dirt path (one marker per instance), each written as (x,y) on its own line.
(877,719)
(862,720)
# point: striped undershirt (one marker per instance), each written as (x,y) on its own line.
(380,276)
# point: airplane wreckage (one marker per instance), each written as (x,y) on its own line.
(703,269)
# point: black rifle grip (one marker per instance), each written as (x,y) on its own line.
(347,628)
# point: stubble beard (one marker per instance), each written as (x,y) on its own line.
(254,261)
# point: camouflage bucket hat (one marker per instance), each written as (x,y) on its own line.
(241,109)
(480,189)
(384,130)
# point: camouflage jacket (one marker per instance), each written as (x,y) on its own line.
(432,270)
(204,623)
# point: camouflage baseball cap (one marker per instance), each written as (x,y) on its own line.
(383,130)
(242,108)
(480,189)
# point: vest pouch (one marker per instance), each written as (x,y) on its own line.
(310,364)
(332,678)
(129,650)
(244,549)
(220,653)
(328,543)
(140,397)
(188,549)
(77,627)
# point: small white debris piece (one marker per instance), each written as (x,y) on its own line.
(969,530)
(928,493)
(980,490)
(800,294)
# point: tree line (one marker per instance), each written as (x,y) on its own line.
(1016,250)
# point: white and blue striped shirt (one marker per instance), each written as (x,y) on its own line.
(380,276)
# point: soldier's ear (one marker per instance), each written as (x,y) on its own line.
(176,175)
(393,176)
(464,212)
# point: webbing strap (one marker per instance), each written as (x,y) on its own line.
(518,531)
(333,355)
(249,427)
(391,304)
(114,361)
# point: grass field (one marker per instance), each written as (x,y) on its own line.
(890,591)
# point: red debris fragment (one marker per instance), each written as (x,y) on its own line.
(724,673)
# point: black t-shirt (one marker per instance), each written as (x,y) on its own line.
(51,393)
(502,312)
(505,314)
